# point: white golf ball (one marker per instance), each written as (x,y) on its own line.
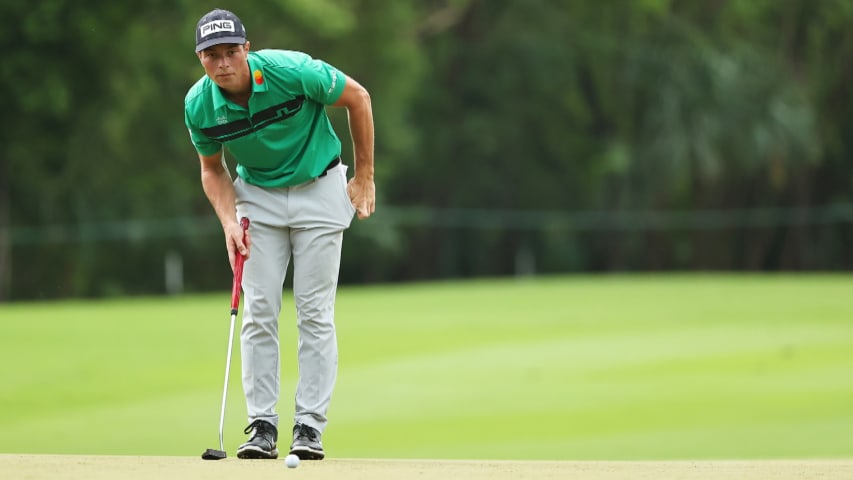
(292,461)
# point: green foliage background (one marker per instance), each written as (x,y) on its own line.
(512,136)
(510,106)
(593,367)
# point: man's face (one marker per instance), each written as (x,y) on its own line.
(227,65)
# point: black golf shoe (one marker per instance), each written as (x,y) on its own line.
(306,443)
(261,443)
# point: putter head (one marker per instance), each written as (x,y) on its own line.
(212,454)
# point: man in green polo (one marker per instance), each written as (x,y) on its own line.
(269,109)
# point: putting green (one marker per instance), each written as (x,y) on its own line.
(69,467)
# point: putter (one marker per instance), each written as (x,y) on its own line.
(211,453)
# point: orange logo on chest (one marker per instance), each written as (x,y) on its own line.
(259,77)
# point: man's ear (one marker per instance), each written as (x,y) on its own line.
(247,45)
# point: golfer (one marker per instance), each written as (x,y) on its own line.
(269,109)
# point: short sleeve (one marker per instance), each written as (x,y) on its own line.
(203,144)
(322,82)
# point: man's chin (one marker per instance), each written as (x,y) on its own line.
(224,81)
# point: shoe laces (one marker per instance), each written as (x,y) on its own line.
(304,431)
(260,427)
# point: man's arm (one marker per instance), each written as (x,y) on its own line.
(361,188)
(219,188)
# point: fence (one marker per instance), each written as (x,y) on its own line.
(617,234)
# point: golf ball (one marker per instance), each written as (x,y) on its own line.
(292,461)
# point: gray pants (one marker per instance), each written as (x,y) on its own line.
(306,222)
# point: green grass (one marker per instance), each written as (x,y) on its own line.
(589,367)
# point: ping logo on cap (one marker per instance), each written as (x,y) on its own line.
(217,26)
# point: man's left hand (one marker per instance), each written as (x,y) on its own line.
(362,193)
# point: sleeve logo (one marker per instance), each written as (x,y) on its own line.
(334,84)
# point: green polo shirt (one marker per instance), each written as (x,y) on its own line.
(284,138)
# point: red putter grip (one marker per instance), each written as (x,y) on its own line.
(238,271)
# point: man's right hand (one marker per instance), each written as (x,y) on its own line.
(234,242)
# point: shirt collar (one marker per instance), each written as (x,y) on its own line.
(219,100)
(256,76)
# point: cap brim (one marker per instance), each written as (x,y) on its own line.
(218,41)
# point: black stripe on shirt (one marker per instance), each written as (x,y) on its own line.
(260,120)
